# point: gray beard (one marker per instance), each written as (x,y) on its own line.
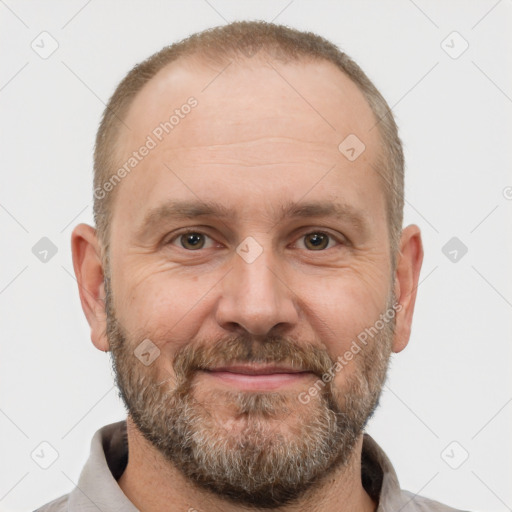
(275,448)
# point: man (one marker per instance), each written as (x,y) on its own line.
(250,276)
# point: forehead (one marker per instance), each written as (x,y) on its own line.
(309,98)
(285,121)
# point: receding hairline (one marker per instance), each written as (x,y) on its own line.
(197,62)
(220,45)
(194,61)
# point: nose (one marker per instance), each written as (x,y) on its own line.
(255,298)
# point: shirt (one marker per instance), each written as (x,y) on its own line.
(97,487)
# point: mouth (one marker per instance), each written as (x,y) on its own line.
(257,377)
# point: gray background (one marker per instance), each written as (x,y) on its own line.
(449,393)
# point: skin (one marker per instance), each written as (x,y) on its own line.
(253,144)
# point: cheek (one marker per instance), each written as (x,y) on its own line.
(341,312)
(340,308)
(166,308)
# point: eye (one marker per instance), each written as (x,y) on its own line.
(195,240)
(192,241)
(316,241)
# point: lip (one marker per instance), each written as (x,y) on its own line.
(254,369)
(257,377)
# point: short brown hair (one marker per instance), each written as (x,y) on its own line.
(239,40)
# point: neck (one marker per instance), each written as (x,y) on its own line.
(151,483)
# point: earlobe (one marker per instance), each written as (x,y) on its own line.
(89,273)
(407,274)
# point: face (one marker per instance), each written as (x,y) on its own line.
(252,254)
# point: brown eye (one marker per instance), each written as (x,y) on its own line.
(192,241)
(316,241)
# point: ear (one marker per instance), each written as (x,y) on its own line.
(407,274)
(89,275)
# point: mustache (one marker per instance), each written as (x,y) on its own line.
(240,349)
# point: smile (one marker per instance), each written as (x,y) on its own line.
(261,378)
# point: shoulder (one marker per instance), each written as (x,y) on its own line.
(58,505)
(415,503)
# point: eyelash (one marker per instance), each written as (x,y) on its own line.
(177,236)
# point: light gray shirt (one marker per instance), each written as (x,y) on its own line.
(97,488)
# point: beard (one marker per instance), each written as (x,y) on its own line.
(257,449)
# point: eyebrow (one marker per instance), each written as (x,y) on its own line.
(181,210)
